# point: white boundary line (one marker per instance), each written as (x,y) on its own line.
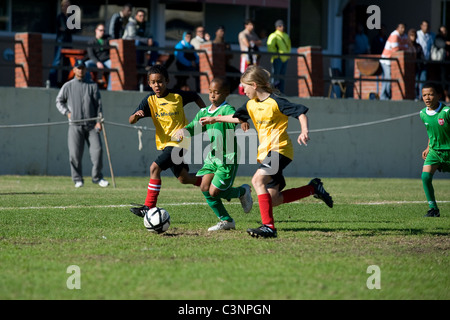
(202,204)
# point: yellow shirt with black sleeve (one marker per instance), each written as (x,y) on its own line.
(167,114)
(270,118)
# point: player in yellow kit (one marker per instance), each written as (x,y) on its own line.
(165,107)
(270,114)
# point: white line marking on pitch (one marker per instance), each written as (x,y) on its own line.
(200,204)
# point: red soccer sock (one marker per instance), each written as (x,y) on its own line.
(297,193)
(265,207)
(154,186)
(198,182)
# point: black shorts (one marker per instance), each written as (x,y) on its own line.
(166,160)
(274,165)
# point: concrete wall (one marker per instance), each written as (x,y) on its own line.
(390,149)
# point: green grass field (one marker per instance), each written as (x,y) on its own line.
(46,225)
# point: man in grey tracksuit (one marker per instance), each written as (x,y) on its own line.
(80,100)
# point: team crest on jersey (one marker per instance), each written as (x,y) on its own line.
(441,122)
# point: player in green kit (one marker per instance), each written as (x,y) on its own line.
(220,165)
(436,117)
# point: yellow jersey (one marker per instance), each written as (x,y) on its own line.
(167,114)
(270,118)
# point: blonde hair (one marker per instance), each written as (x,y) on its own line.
(259,76)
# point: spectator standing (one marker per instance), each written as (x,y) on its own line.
(119,20)
(80,100)
(248,43)
(63,35)
(426,39)
(418,51)
(186,61)
(220,38)
(397,41)
(362,45)
(379,41)
(200,37)
(97,53)
(279,43)
(441,52)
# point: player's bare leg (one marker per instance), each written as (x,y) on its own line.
(188,178)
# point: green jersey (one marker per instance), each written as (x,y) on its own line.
(221,135)
(437,123)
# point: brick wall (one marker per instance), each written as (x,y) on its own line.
(404,70)
(28,58)
(310,69)
(367,69)
(212,63)
(123,58)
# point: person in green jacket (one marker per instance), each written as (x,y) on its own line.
(279,43)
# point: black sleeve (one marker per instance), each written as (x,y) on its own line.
(242,113)
(188,96)
(144,106)
(290,109)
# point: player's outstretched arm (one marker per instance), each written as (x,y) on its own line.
(136,116)
(211,120)
(303,138)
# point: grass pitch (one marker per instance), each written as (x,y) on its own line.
(46,226)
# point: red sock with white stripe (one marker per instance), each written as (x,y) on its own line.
(297,193)
(154,186)
(265,207)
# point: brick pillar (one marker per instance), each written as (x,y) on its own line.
(310,69)
(123,58)
(28,57)
(404,70)
(367,69)
(212,63)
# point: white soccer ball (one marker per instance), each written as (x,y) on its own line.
(157,220)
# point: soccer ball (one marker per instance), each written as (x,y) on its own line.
(157,220)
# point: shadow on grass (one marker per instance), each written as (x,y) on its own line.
(26,193)
(370,232)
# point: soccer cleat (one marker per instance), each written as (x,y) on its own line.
(263,231)
(223,225)
(140,211)
(433,213)
(320,193)
(246,199)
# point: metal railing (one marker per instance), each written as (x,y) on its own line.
(172,50)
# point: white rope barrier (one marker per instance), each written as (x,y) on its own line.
(144,128)
(5,126)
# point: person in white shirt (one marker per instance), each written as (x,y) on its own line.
(397,41)
(200,37)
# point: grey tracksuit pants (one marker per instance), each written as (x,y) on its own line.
(77,136)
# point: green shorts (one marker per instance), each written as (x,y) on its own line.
(439,158)
(223,174)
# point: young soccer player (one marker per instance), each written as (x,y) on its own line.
(220,167)
(269,114)
(436,118)
(165,107)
